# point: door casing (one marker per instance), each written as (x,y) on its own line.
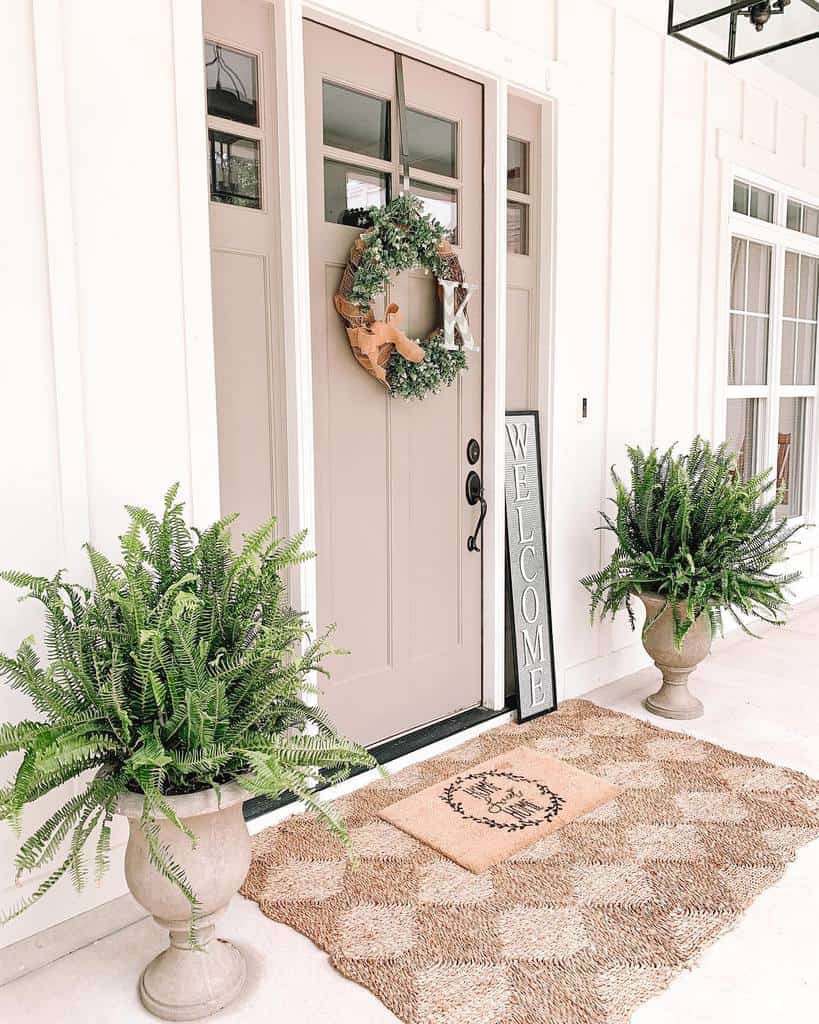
(295,299)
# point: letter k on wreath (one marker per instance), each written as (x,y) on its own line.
(402,237)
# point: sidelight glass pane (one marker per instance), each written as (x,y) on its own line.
(234,170)
(517,166)
(232,84)
(440,203)
(433,143)
(744,432)
(349,191)
(517,228)
(810,221)
(355,121)
(793,219)
(790,456)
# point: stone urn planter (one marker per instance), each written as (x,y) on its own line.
(184,983)
(673,699)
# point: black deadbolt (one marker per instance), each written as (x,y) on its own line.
(473,451)
(474,488)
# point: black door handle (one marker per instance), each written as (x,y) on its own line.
(474,494)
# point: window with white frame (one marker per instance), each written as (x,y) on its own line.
(773,319)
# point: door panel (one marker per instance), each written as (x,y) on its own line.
(394,572)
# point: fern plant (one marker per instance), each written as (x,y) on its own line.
(691,530)
(182,667)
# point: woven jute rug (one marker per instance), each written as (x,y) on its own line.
(578,928)
(488,812)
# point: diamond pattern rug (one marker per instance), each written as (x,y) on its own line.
(579,928)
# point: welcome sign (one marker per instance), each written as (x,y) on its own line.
(527,569)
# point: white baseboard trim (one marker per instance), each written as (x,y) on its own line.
(68,936)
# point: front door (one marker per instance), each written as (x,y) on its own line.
(394,571)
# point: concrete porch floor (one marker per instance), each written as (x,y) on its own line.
(760,699)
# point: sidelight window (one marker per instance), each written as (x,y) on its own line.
(234,138)
(517,197)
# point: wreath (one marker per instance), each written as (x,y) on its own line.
(401,237)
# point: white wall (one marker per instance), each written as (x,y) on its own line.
(107,376)
(95,408)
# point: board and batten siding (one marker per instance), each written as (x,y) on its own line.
(107,383)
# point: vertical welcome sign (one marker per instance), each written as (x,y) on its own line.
(527,569)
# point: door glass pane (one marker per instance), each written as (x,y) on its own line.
(790,456)
(744,432)
(517,228)
(433,143)
(232,84)
(517,166)
(805,370)
(440,203)
(351,190)
(234,170)
(355,121)
(759,278)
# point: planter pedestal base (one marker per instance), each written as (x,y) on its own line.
(673,699)
(187,984)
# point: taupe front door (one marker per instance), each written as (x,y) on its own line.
(394,572)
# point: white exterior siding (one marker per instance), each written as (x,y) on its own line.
(107,389)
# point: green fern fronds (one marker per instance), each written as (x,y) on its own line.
(691,530)
(184,667)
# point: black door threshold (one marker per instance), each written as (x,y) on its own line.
(390,750)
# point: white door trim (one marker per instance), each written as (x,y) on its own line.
(295,298)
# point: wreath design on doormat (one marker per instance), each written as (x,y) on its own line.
(401,237)
(535,814)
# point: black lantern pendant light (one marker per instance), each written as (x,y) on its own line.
(737,31)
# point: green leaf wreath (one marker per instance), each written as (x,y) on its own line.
(183,667)
(403,237)
(690,529)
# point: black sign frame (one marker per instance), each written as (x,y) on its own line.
(528,709)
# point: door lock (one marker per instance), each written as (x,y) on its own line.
(474,494)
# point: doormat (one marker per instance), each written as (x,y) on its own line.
(483,815)
(582,926)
